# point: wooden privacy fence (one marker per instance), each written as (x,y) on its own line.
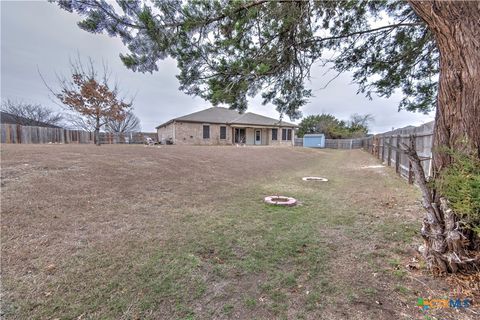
(14,133)
(344,143)
(127,138)
(337,143)
(388,147)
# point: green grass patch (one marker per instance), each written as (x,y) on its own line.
(250,302)
(227,309)
(403,290)
(396,231)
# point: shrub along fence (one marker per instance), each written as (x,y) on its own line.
(14,133)
(388,147)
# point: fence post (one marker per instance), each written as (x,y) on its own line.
(383,149)
(378,148)
(430,163)
(410,170)
(389,160)
(19,133)
(8,136)
(397,155)
(410,173)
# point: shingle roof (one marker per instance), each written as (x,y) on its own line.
(256,119)
(9,118)
(6,117)
(214,115)
(227,116)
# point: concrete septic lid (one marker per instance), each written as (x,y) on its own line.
(281,201)
(314,179)
(373,167)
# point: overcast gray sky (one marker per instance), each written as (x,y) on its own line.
(39,34)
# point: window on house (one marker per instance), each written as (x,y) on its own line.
(223,133)
(206,132)
(286,134)
(274,134)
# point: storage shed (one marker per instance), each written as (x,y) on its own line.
(314,140)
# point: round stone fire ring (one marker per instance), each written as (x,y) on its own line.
(320,179)
(281,201)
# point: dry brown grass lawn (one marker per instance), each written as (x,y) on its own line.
(182,233)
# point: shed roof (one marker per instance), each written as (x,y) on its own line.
(314,135)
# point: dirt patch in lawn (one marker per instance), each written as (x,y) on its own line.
(182,233)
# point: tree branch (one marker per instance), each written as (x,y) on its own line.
(392,26)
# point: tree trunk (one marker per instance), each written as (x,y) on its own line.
(454,25)
(97,132)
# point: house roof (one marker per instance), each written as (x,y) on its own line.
(9,118)
(228,116)
(6,117)
(214,115)
(256,119)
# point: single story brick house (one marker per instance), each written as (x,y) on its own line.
(222,126)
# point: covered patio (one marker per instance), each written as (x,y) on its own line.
(251,135)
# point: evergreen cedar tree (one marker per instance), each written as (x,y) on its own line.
(228,50)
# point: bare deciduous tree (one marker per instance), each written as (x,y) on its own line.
(31,114)
(361,119)
(360,122)
(75,121)
(91,95)
(131,123)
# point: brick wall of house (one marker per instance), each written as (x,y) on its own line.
(279,141)
(192,133)
(166,132)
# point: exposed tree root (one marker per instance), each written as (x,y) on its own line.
(446,244)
